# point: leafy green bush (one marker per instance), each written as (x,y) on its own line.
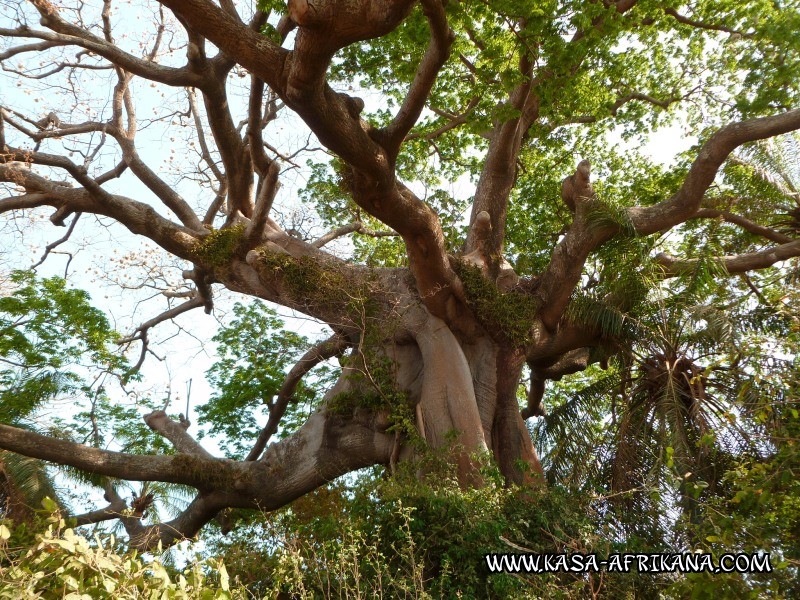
(62,564)
(401,537)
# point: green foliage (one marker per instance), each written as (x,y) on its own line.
(687,440)
(55,347)
(402,537)
(373,384)
(62,564)
(255,353)
(760,511)
(697,415)
(48,335)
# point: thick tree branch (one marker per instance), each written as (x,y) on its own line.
(36,47)
(186,525)
(500,165)
(299,79)
(566,264)
(571,362)
(138,217)
(435,56)
(176,433)
(255,126)
(201,138)
(740,263)
(235,156)
(132,467)
(703,171)
(115,509)
(266,195)
(155,184)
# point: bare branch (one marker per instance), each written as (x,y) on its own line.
(333,346)
(746,224)
(201,138)
(255,124)
(113,173)
(138,217)
(63,33)
(266,195)
(141,332)
(298,77)
(51,246)
(235,156)
(355,227)
(115,509)
(11,52)
(216,204)
(78,172)
(155,184)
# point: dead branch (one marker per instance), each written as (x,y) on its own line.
(53,245)
(176,433)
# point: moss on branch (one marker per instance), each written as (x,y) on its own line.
(314,282)
(219,246)
(511,313)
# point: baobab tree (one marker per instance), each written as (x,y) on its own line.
(506,98)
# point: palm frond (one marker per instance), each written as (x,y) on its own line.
(24,482)
(574,428)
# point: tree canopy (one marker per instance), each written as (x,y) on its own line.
(553,247)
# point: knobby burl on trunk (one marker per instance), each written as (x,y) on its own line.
(431,354)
